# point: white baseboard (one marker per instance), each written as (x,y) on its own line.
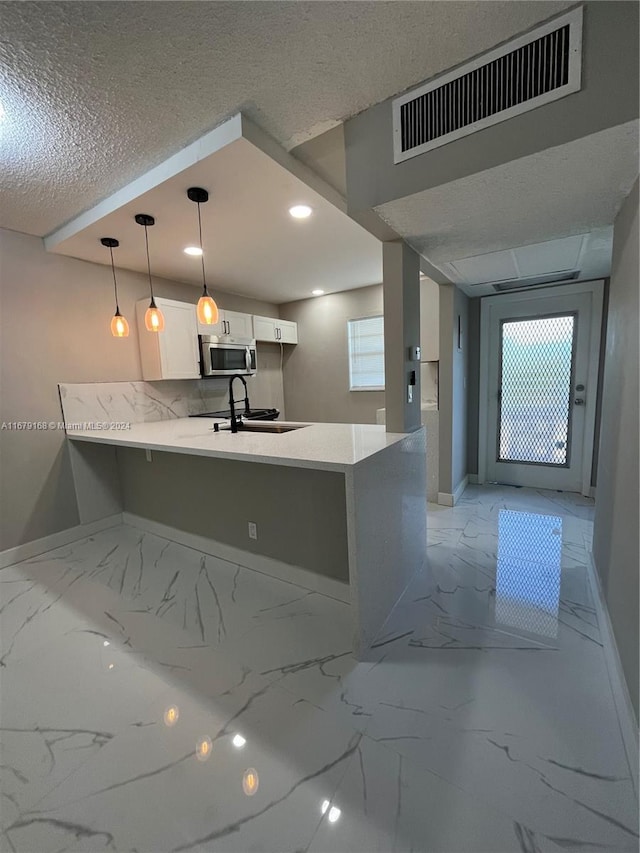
(447,499)
(56,540)
(257,562)
(621,697)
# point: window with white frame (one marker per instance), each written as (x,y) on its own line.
(366,354)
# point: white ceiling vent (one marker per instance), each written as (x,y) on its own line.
(535,68)
(549,278)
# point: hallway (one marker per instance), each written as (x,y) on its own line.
(157,699)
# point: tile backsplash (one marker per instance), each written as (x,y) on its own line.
(140,402)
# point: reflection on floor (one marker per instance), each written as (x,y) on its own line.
(156,699)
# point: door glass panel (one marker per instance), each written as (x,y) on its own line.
(536,375)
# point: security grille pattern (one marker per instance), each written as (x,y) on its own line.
(528,571)
(536,379)
(522,75)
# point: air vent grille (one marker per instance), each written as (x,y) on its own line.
(531,281)
(517,77)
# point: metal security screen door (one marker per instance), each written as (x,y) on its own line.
(539,364)
(536,368)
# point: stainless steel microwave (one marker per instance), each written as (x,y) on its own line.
(225,359)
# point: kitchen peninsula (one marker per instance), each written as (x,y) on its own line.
(339,508)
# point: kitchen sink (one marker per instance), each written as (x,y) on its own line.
(268,427)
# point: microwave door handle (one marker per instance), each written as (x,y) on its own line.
(247,359)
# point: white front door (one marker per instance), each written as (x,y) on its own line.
(541,354)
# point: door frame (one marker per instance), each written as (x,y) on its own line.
(596,289)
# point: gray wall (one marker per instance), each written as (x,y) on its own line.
(615,535)
(453,388)
(285,503)
(316,372)
(401,290)
(610,64)
(54,327)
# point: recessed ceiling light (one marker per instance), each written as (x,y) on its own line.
(193,250)
(300,211)
(317,292)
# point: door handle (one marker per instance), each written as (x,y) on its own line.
(579,401)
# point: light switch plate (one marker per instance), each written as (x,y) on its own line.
(409,393)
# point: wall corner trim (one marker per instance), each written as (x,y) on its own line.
(617,681)
(56,540)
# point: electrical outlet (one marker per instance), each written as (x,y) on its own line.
(253,530)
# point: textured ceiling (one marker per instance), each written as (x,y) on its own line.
(570,189)
(96,93)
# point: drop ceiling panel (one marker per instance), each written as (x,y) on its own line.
(495,266)
(552,256)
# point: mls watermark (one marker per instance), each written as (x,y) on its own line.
(43,426)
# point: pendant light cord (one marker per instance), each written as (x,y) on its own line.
(115,283)
(146,240)
(204,278)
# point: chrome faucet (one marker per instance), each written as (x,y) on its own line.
(237,421)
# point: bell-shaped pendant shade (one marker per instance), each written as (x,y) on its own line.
(119,326)
(207,310)
(153,318)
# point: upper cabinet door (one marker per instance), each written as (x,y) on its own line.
(238,326)
(288,331)
(264,328)
(172,353)
(271,329)
(179,357)
(212,328)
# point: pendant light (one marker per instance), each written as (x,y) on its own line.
(119,325)
(153,319)
(207,309)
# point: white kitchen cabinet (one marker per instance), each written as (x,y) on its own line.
(238,325)
(288,331)
(172,353)
(231,326)
(271,329)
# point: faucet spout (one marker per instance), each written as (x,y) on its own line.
(235,421)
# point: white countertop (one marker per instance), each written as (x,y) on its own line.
(331,447)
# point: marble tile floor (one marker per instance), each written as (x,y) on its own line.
(157,699)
